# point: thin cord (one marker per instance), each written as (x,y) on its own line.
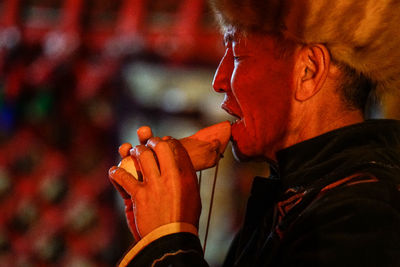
(211,205)
(200,179)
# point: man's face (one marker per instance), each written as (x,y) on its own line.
(258,87)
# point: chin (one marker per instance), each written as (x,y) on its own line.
(239,156)
(243,150)
(242,156)
(240,142)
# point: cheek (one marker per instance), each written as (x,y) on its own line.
(265,103)
(248,86)
(255,93)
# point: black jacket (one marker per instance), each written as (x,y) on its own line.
(333,200)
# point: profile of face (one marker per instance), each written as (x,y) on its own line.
(258,88)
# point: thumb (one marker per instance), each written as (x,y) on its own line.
(124,182)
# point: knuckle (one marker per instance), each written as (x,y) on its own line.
(158,145)
(173,142)
(175,145)
(162,145)
(138,150)
(145,154)
(153,142)
(165,138)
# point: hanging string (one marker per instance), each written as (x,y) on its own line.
(200,173)
(211,205)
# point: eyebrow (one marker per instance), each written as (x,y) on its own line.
(228,37)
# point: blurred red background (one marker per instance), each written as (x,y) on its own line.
(77,77)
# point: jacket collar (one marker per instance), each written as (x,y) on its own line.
(348,146)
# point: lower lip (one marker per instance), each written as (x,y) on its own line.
(237,121)
(235,125)
(237,133)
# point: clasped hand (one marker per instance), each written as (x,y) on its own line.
(169,191)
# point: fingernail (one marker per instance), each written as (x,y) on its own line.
(112,170)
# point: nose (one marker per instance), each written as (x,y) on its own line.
(222,77)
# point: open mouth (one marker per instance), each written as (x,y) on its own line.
(236,118)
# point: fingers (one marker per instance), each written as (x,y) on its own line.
(181,156)
(124,182)
(124,149)
(171,155)
(164,153)
(146,160)
(144,133)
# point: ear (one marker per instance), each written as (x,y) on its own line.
(312,67)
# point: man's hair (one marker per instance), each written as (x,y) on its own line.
(355,88)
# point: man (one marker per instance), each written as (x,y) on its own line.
(297,75)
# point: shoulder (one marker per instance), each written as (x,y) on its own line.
(358,191)
(355,197)
(355,223)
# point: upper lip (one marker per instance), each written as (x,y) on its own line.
(226,107)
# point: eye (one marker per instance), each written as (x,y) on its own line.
(237,59)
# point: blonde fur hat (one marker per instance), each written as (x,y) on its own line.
(364,34)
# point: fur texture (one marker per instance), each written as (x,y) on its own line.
(364,34)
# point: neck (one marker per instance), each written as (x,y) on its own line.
(318,123)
